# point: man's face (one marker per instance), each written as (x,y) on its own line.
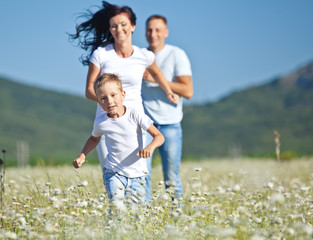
(156,32)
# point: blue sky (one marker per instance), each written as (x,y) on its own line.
(231,44)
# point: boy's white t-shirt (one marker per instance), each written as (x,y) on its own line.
(129,70)
(123,138)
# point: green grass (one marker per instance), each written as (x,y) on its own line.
(223,199)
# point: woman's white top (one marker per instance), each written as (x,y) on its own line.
(130,71)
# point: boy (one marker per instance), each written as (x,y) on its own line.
(125,166)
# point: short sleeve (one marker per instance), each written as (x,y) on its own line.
(96,131)
(141,118)
(95,58)
(182,66)
(149,55)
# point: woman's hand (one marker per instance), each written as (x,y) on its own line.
(173,98)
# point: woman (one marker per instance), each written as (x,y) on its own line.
(107,37)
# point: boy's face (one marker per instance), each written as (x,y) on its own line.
(110,97)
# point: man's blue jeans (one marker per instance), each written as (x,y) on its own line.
(171,152)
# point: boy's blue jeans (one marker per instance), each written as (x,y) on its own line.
(122,189)
(171,152)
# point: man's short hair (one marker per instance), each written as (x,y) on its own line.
(157,17)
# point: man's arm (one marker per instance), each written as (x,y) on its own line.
(183,86)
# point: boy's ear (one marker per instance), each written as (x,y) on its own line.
(123,95)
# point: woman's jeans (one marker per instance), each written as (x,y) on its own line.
(124,191)
(171,152)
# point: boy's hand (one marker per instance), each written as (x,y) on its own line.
(173,97)
(145,153)
(78,162)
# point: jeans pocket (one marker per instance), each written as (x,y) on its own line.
(108,173)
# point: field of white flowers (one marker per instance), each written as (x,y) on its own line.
(223,199)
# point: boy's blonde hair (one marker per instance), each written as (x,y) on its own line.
(107,78)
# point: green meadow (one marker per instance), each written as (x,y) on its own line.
(223,199)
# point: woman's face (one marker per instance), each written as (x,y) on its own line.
(121,27)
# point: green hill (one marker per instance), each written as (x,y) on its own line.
(244,121)
(56,125)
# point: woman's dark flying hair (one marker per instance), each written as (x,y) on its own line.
(95,31)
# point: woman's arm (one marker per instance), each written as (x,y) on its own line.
(182,86)
(157,74)
(93,74)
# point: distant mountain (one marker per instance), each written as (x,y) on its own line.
(243,122)
(56,125)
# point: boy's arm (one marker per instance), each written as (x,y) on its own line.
(91,143)
(158,140)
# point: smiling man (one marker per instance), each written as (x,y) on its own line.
(167,117)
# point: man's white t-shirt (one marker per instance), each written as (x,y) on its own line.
(123,139)
(173,62)
(129,70)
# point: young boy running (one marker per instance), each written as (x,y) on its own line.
(125,166)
